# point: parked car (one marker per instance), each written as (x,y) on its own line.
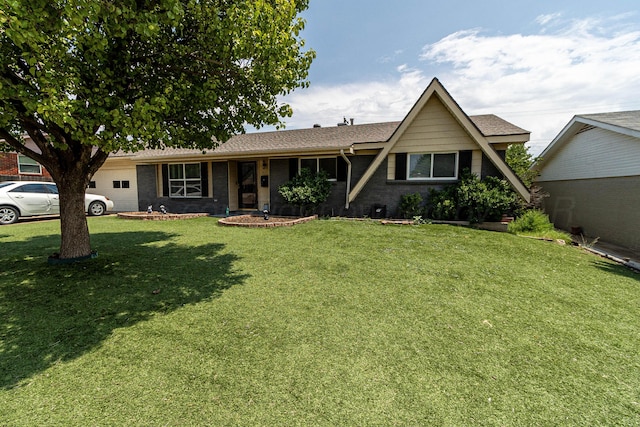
(31,198)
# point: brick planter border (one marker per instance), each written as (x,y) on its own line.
(237,221)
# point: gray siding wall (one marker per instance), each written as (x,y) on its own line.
(605,208)
(596,153)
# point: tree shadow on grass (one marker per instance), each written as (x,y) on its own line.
(613,268)
(57,313)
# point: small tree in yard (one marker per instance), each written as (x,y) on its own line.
(520,160)
(306,190)
(86,78)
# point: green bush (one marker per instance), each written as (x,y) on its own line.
(532,221)
(306,190)
(474,200)
(411,205)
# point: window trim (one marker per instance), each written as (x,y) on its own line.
(317,159)
(20,164)
(184,180)
(431,177)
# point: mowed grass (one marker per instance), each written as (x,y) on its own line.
(330,323)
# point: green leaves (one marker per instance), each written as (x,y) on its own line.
(306,189)
(85,78)
(168,72)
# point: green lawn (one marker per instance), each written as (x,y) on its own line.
(335,323)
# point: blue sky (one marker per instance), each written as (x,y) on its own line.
(535,63)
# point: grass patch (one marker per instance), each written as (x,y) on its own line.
(325,323)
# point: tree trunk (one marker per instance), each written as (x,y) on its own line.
(75,241)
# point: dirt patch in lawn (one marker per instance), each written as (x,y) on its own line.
(258,221)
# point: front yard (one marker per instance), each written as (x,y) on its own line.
(325,323)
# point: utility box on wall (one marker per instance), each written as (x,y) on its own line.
(264,181)
(378,211)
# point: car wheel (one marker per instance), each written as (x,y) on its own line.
(8,215)
(97,208)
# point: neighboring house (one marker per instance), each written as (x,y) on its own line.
(17,167)
(591,172)
(370,165)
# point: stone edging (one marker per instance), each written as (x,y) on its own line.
(229,221)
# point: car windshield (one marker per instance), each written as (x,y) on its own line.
(4,184)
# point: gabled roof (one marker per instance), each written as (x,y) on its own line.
(623,122)
(435,88)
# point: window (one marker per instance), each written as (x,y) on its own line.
(27,165)
(317,164)
(433,166)
(92,184)
(31,188)
(185,180)
(116,184)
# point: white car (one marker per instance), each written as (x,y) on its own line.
(32,198)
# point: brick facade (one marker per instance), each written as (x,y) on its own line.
(379,198)
(9,170)
(215,204)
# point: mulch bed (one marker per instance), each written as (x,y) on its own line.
(258,221)
(157,216)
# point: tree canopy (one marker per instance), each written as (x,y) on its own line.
(85,78)
(520,160)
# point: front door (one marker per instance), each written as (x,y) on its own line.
(248,189)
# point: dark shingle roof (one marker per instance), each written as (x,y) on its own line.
(328,137)
(323,138)
(492,125)
(625,119)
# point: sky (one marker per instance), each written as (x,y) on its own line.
(535,63)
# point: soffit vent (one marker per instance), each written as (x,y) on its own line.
(585,128)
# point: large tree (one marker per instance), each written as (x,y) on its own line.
(86,78)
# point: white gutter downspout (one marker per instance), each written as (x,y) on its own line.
(346,159)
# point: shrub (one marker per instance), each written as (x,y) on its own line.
(532,221)
(474,200)
(306,190)
(411,205)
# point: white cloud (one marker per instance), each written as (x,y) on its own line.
(546,19)
(366,102)
(538,82)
